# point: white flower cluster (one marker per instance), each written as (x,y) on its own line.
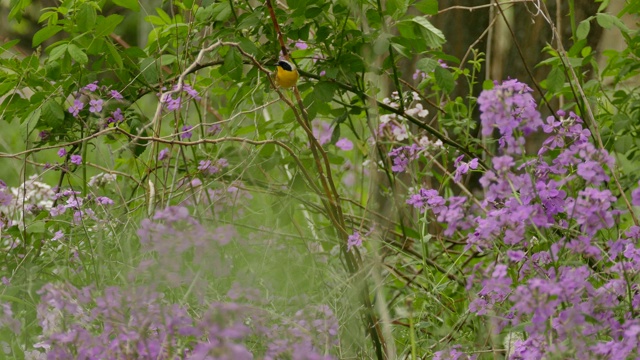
(395,123)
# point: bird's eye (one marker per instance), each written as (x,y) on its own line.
(285,65)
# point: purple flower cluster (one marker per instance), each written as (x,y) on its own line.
(510,108)
(175,103)
(453,213)
(141,322)
(401,156)
(553,218)
(95,102)
(211,168)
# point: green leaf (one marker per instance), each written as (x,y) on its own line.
(621,122)
(607,21)
(5,86)
(221,11)
(8,45)
(149,70)
(427,7)
(583,29)
(128,4)
(52,113)
(115,55)
(444,79)
(44,34)
(58,52)
(324,90)
(381,44)
(232,65)
(107,25)
(296,4)
(406,29)
(86,17)
(77,54)
(623,144)
(555,79)
(312,11)
(167,59)
(248,46)
(427,65)
(396,8)
(17,8)
(433,36)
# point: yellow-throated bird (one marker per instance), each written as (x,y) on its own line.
(286,74)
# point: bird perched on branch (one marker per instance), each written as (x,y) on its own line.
(286,74)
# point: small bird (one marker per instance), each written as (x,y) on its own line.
(286,74)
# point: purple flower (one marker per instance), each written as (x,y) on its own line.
(354,240)
(172,104)
(57,236)
(322,73)
(190,91)
(76,107)
(186,132)
(463,167)
(515,256)
(76,159)
(117,115)
(403,155)
(91,87)
(116,95)
(62,152)
(103,200)
(211,168)
(163,154)
(321,131)
(214,129)
(301,45)
(635,196)
(95,106)
(344,144)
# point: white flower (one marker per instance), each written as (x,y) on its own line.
(400,133)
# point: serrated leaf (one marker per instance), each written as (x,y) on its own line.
(77,54)
(583,29)
(44,34)
(128,4)
(433,36)
(444,79)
